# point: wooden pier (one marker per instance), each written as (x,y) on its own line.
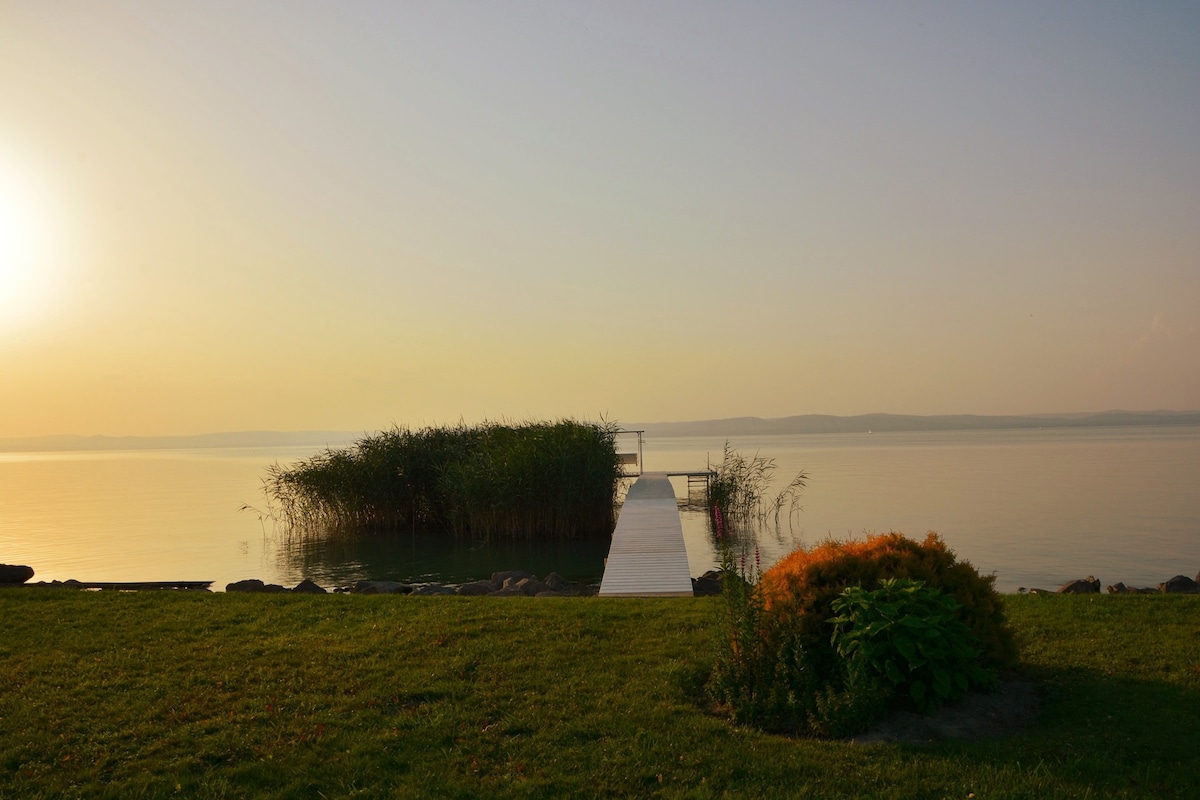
(647,557)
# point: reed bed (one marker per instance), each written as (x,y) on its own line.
(532,480)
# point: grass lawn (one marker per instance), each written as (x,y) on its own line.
(161,694)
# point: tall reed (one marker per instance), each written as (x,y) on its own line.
(538,479)
(739,488)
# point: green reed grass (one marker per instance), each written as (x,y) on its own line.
(740,488)
(538,480)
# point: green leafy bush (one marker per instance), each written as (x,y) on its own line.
(801,588)
(780,668)
(907,636)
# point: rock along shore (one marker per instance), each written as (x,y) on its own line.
(511,583)
(1180,584)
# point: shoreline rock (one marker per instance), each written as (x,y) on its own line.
(255,586)
(1120,588)
(15,574)
(118,586)
(1088,585)
(507,583)
(514,583)
(1180,584)
(708,584)
(377,587)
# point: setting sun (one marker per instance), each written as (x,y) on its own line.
(24,246)
(266,217)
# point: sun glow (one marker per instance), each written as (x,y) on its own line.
(26,263)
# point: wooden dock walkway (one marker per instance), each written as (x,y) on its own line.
(647,557)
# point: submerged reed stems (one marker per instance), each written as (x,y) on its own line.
(533,480)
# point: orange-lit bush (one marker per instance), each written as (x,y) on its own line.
(778,668)
(798,592)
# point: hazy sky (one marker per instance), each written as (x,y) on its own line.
(343,215)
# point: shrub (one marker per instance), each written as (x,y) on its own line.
(806,648)
(908,637)
(802,587)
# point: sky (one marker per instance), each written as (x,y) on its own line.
(220,216)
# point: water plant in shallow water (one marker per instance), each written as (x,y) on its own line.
(532,480)
(740,485)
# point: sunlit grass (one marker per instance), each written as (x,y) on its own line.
(186,695)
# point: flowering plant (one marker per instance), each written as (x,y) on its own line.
(758,677)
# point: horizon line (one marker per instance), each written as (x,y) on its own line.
(1057,417)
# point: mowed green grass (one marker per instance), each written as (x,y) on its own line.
(195,695)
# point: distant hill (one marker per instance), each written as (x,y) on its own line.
(733,426)
(822,423)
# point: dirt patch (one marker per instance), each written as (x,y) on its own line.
(989,715)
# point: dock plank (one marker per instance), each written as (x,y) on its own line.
(647,557)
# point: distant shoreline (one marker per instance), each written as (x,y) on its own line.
(732,426)
(893,423)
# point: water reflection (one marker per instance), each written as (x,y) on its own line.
(770,538)
(431,557)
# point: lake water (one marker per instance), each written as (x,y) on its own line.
(1034,507)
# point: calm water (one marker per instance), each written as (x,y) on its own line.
(1034,507)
